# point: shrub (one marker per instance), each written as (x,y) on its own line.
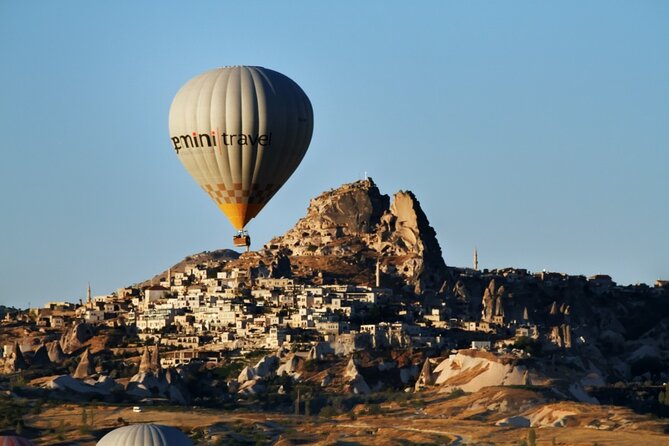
(662,397)
(528,345)
(11,413)
(228,371)
(328,412)
(311,365)
(457,392)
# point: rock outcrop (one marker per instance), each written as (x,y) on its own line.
(357,222)
(426,377)
(493,302)
(252,387)
(73,339)
(355,381)
(263,368)
(404,234)
(15,362)
(145,361)
(472,370)
(280,266)
(150,361)
(41,357)
(86,366)
(336,222)
(290,366)
(152,381)
(320,351)
(83,390)
(56,354)
(246,374)
(164,384)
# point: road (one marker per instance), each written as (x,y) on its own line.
(457,440)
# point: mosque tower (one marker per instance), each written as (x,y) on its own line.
(476,260)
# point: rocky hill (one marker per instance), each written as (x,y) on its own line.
(603,331)
(344,234)
(360,225)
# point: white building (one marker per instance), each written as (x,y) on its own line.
(481,345)
(276,337)
(154,293)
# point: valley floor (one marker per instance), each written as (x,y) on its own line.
(437,420)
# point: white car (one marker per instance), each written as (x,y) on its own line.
(136,409)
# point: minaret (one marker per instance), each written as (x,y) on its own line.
(89,301)
(476,260)
(169,277)
(378,273)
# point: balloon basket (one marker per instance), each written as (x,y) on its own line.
(242,239)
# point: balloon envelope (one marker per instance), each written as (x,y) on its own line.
(11,440)
(145,435)
(240,132)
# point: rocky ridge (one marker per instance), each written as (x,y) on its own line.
(358,223)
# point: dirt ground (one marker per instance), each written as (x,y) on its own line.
(440,421)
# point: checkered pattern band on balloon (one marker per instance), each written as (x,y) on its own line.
(256,194)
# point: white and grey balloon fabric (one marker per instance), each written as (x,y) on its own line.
(145,435)
(240,132)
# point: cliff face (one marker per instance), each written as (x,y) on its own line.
(406,235)
(338,222)
(617,333)
(357,222)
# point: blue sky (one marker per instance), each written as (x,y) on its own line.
(535,131)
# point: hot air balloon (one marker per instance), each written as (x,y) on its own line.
(240,132)
(11,440)
(145,435)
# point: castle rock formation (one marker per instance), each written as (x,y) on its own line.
(356,221)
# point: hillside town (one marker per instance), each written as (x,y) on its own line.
(210,307)
(354,300)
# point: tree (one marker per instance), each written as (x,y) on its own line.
(662,397)
(307,405)
(19,427)
(297,403)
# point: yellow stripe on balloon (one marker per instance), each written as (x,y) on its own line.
(240,214)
